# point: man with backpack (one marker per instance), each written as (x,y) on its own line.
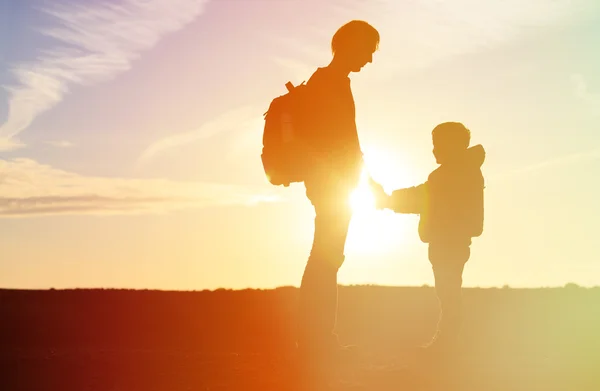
(322,114)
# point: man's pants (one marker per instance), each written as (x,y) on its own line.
(448,263)
(319,290)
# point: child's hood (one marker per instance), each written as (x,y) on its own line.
(475,156)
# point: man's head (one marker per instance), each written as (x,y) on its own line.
(354,44)
(450,139)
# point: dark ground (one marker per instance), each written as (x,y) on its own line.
(516,339)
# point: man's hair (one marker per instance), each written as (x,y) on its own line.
(347,36)
(453,134)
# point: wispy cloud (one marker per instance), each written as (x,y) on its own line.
(59,143)
(572,158)
(309,48)
(590,99)
(419,33)
(298,70)
(95,43)
(578,157)
(443,28)
(28,188)
(10,144)
(244,117)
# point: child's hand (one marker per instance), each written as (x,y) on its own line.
(381,197)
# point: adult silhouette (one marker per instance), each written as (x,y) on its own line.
(337,162)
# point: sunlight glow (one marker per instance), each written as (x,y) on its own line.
(362,199)
(372,232)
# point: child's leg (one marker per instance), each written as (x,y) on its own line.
(448,265)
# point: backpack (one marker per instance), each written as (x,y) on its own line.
(284,149)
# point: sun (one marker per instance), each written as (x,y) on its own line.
(362,199)
(372,232)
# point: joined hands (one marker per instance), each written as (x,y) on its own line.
(381,197)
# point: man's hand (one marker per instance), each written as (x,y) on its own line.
(381,197)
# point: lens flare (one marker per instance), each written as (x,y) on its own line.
(362,199)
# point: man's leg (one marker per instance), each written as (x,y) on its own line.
(318,290)
(448,265)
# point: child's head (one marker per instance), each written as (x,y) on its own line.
(450,139)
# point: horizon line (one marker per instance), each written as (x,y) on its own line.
(427,286)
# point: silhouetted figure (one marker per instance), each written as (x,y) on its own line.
(334,172)
(450,205)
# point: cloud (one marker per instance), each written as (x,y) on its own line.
(98,41)
(244,117)
(420,33)
(573,158)
(10,144)
(298,71)
(59,144)
(461,26)
(590,99)
(28,188)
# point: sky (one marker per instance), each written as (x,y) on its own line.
(131,132)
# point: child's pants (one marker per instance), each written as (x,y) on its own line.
(448,263)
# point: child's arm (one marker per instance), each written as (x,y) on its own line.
(409,200)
